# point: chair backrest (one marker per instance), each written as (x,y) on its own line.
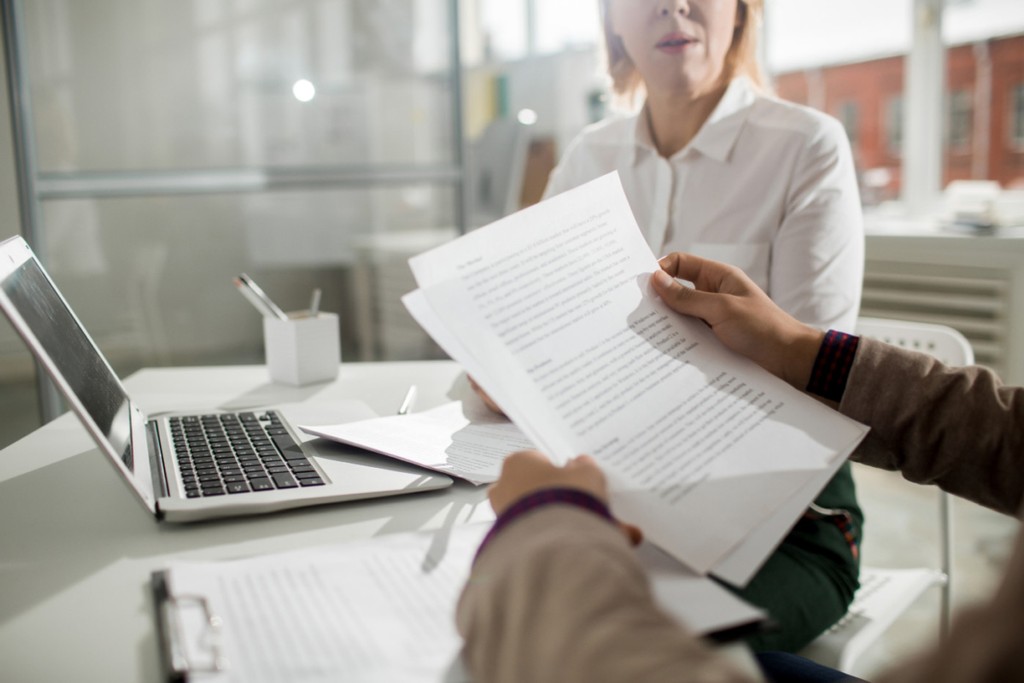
(941,341)
(495,164)
(951,348)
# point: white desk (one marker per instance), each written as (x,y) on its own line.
(77,550)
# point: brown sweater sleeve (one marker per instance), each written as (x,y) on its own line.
(559,595)
(960,428)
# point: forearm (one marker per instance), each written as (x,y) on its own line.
(558,595)
(955,427)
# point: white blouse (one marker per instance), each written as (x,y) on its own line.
(766,185)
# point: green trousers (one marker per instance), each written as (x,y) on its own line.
(809,581)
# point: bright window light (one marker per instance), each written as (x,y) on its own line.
(303,90)
(527,117)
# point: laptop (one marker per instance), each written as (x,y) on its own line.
(185,468)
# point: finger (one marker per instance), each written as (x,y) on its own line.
(485,397)
(705,274)
(521,460)
(632,532)
(491,405)
(685,300)
(684,266)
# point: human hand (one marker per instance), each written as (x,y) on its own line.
(740,314)
(526,472)
(484,396)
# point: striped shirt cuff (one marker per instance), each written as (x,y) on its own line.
(832,366)
(539,499)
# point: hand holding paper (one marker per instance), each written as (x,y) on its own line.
(740,314)
(551,310)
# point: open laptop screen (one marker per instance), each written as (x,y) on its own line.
(72,353)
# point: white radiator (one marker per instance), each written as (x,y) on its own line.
(975,301)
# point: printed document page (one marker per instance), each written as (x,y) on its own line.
(459,438)
(552,312)
(376,610)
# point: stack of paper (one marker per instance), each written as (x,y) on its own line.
(551,311)
(462,438)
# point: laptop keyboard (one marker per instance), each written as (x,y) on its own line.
(231,453)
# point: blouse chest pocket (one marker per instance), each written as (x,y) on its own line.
(752,259)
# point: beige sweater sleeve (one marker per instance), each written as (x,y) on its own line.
(559,596)
(960,428)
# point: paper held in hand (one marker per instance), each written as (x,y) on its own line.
(551,311)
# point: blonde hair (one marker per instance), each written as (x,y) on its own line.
(742,58)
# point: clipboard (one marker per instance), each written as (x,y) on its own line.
(408,583)
(177,662)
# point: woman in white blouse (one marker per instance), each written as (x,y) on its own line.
(714,166)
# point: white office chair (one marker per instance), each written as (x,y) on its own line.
(886,593)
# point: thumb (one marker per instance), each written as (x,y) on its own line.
(681,298)
(632,533)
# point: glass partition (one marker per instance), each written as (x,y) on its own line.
(162,84)
(171,144)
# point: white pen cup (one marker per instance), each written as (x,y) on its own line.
(303,349)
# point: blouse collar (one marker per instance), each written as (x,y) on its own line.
(717,137)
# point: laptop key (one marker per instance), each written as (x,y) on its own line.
(313,481)
(261,484)
(237,487)
(284,441)
(284,481)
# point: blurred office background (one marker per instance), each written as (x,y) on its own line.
(152,149)
(162,147)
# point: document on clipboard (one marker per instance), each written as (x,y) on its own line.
(376,610)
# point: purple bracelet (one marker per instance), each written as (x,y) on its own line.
(539,499)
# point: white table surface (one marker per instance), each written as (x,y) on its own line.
(77,550)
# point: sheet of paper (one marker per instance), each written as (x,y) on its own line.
(377,610)
(553,309)
(461,439)
(695,601)
(743,562)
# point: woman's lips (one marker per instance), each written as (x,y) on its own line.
(674,43)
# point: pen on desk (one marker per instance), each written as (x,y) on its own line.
(408,401)
(255,294)
(253,299)
(314,304)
